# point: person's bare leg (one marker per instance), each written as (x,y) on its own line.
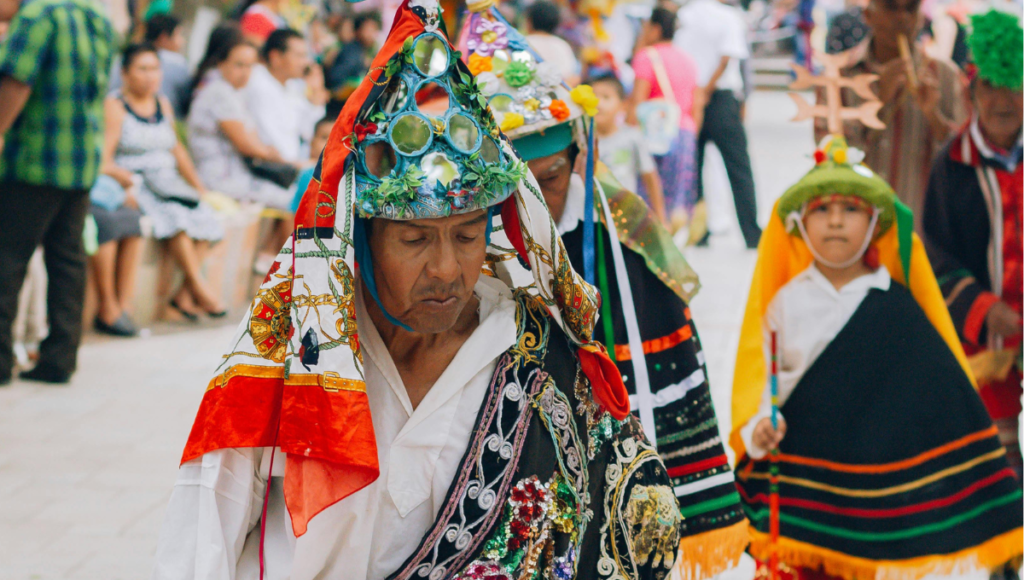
(104,265)
(282,230)
(184,250)
(129,253)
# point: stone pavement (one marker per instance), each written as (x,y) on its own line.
(86,470)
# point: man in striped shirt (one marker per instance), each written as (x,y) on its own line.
(921,110)
(54,68)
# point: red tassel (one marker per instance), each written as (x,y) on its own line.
(605,381)
(512,228)
(871,259)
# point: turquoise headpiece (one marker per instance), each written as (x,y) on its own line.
(425,143)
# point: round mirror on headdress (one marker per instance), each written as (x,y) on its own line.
(463,133)
(426,139)
(394,96)
(489,151)
(411,134)
(437,167)
(433,99)
(430,55)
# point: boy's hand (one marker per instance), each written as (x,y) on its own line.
(767,438)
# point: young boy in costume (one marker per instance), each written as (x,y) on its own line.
(888,464)
(973,223)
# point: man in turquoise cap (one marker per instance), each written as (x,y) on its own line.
(644,281)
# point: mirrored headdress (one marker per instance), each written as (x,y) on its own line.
(425,145)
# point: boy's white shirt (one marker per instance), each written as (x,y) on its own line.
(807,314)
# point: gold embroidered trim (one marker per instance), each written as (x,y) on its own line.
(330,381)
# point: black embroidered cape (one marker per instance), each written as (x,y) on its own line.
(550,487)
(714,530)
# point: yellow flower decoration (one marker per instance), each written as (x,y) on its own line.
(584,96)
(531,104)
(839,156)
(511,121)
(479,64)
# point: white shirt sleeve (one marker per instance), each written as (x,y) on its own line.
(216,501)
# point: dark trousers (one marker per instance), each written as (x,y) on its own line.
(723,127)
(53,217)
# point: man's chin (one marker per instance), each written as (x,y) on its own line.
(430,318)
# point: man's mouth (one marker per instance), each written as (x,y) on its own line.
(440,301)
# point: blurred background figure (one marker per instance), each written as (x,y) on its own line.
(713,34)
(622,147)
(286,108)
(115,208)
(974,223)
(141,143)
(320,135)
(222,132)
(164,33)
(922,101)
(285,96)
(260,18)
(347,62)
(222,39)
(667,76)
(51,120)
(542,21)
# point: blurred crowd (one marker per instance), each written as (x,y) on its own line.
(123,137)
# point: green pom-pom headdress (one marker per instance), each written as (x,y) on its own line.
(997,47)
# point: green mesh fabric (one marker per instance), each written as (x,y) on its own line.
(997,48)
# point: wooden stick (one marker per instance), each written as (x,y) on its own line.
(908,60)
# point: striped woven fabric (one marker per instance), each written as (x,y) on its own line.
(891,466)
(714,529)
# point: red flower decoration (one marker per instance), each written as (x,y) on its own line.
(362,130)
(819,156)
(519,529)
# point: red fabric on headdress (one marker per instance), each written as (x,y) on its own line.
(328,435)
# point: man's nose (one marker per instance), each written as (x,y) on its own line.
(443,265)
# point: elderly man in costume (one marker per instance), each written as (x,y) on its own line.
(972,223)
(415,392)
(643,279)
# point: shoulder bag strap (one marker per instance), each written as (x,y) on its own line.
(660,74)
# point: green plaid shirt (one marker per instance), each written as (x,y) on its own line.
(63,50)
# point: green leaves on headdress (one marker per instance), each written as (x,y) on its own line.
(997,47)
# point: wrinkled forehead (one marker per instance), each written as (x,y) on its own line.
(384,226)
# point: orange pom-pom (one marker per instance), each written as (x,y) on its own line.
(559,110)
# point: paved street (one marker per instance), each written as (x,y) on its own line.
(86,470)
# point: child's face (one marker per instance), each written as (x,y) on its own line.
(836,226)
(319,140)
(609,102)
